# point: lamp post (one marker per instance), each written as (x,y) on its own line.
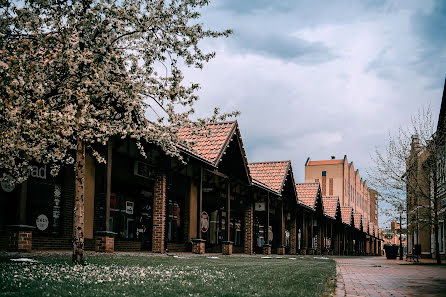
(400,209)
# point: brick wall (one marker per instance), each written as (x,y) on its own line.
(159,213)
(20,241)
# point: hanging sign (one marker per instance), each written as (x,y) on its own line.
(204,222)
(42,222)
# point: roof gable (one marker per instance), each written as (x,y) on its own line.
(330,205)
(365,225)
(212,143)
(271,175)
(347,214)
(307,194)
(357,218)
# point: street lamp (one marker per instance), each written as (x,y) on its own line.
(400,210)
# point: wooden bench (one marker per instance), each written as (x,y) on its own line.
(412,257)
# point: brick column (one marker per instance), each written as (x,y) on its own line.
(248,228)
(227,247)
(266,249)
(105,242)
(20,238)
(198,246)
(281,250)
(293,236)
(159,213)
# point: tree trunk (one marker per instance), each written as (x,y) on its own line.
(78,218)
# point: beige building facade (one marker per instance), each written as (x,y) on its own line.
(338,177)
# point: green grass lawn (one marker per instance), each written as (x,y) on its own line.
(148,275)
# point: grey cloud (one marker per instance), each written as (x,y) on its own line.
(283,46)
(430,29)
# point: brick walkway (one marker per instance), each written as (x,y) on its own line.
(377,276)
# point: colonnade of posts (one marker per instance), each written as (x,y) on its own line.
(310,231)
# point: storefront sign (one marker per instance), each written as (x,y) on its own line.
(260,206)
(129,207)
(42,222)
(8,184)
(204,222)
(37,172)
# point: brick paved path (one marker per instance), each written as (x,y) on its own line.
(377,276)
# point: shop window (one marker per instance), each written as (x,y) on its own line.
(131,214)
(175,232)
(44,205)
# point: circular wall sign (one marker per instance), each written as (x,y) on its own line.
(8,184)
(204,222)
(42,222)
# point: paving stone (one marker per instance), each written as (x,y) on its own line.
(377,276)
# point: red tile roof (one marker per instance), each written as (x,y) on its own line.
(346,214)
(372,228)
(270,174)
(365,225)
(209,142)
(330,204)
(325,162)
(307,194)
(357,218)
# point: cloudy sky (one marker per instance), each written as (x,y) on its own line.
(322,78)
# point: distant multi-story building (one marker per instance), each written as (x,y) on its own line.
(338,177)
(421,186)
(392,236)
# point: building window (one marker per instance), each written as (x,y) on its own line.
(324,173)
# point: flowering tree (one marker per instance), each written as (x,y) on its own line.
(75,73)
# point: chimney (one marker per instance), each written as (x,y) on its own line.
(332,157)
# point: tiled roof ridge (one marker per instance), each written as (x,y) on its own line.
(223,122)
(270,162)
(307,183)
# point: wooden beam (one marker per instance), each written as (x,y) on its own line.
(217,173)
(228,211)
(200,204)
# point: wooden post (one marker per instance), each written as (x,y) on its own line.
(304,235)
(108,189)
(282,226)
(311,231)
(228,211)
(267,219)
(200,204)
